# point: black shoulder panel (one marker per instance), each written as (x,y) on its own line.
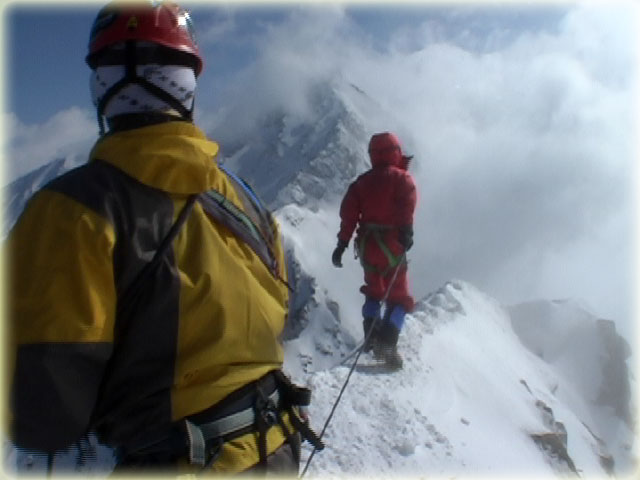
(140,215)
(137,387)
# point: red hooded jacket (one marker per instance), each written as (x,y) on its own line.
(384,195)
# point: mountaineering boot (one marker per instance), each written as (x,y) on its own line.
(388,332)
(372,341)
(370,312)
(389,355)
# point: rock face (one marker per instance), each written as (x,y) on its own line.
(561,332)
(591,355)
(615,390)
(302,300)
(553,441)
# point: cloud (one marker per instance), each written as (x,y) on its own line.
(218,29)
(32,146)
(310,46)
(524,151)
(525,148)
(528,154)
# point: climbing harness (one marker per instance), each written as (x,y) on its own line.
(355,362)
(376,230)
(255,407)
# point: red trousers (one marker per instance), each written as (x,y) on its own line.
(376,285)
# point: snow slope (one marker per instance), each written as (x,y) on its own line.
(474,391)
(468,402)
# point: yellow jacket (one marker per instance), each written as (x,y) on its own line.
(208,325)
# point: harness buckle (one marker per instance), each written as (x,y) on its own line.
(196,444)
(199,453)
(266,409)
(269,417)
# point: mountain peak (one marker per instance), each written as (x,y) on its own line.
(305,159)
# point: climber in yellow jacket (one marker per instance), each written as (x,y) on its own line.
(147,289)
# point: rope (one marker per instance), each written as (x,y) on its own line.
(355,362)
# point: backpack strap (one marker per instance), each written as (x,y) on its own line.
(253,225)
(256,210)
(127,301)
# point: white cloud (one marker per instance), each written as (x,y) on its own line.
(524,154)
(69,132)
(217,30)
(529,153)
(310,46)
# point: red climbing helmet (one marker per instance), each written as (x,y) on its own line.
(384,148)
(161,22)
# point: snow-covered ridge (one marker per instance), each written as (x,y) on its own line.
(470,400)
(475,395)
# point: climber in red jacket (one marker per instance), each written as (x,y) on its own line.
(381,202)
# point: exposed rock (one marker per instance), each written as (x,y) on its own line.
(554,446)
(615,389)
(302,300)
(554,441)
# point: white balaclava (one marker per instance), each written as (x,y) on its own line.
(177,81)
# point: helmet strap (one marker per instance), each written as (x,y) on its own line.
(130,77)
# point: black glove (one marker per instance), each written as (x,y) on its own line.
(336,258)
(405,236)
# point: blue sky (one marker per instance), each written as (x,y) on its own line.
(45,46)
(45,66)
